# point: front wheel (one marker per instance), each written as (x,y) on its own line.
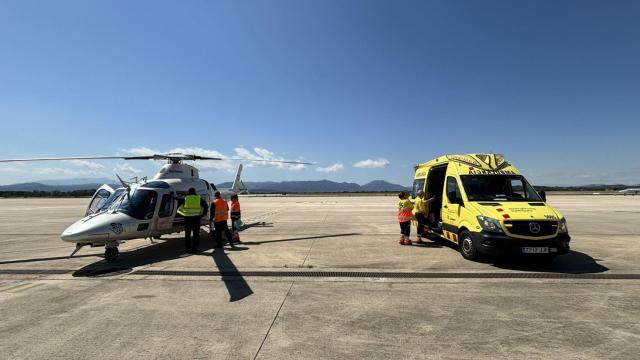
(111,254)
(467,246)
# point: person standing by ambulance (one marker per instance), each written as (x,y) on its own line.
(405,215)
(220,215)
(421,212)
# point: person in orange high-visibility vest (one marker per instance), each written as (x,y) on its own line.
(405,215)
(220,215)
(235,218)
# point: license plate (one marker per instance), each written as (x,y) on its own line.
(535,250)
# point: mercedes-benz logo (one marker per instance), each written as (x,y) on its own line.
(534,227)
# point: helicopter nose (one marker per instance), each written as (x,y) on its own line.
(87,236)
(70,235)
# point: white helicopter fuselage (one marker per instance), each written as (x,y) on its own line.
(142,210)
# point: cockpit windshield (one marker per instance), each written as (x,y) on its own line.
(140,204)
(112,203)
(498,188)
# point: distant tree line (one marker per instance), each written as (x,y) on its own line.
(90,192)
(583,188)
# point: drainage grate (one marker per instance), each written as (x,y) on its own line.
(389,275)
(331,274)
(33,271)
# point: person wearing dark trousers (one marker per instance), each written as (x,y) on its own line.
(192,208)
(220,215)
(235,218)
(420,211)
(405,214)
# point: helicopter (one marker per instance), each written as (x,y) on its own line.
(143,208)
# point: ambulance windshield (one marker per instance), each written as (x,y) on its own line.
(498,188)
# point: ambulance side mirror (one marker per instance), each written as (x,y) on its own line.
(543,195)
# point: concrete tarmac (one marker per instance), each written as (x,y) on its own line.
(323,277)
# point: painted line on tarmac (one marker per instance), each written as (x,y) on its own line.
(338,274)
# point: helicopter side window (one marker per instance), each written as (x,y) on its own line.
(166,206)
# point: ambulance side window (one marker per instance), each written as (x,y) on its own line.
(453,191)
(418,185)
(517,188)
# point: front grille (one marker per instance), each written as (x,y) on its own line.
(526,227)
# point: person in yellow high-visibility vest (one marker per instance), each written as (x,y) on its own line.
(420,212)
(192,208)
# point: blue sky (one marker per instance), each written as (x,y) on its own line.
(554,85)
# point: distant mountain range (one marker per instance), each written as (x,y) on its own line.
(38,186)
(254,187)
(319,186)
(79,181)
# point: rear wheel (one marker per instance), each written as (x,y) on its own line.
(467,246)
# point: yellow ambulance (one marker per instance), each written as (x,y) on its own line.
(483,204)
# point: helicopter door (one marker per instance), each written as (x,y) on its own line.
(99,198)
(166,212)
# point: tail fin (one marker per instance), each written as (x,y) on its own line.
(237,183)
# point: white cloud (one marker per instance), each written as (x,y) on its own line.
(204,165)
(331,169)
(257,154)
(60,171)
(47,171)
(11,169)
(372,163)
(142,151)
(89,165)
(263,154)
(127,169)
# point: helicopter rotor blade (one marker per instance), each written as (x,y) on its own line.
(274,161)
(197,157)
(175,157)
(77,158)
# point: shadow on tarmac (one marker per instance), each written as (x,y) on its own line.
(236,285)
(158,252)
(46,259)
(574,262)
(256,224)
(298,238)
(168,250)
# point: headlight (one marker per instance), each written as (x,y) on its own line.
(562,226)
(489,224)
